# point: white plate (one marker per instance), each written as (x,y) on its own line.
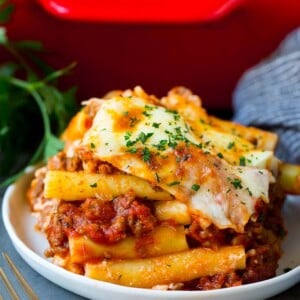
(30,244)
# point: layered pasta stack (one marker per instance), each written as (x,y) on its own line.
(156,193)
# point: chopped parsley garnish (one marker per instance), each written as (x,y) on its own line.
(236,183)
(146,154)
(161,145)
(157,177)
(171,111)
(156,125)
(242,161)
(147,110)
(127,136)
(230,145)
(173,183)
(249,192)
(130,143)
(93,185)
(176,117)
(145,113)
(93,146)
(195,187)
(132,150)
(220,155)
(143,137)
(172,144)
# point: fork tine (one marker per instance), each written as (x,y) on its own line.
(10,288)
(31,294)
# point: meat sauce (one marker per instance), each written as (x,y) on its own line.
(103,222)
(126,215)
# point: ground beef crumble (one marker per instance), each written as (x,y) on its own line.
(103,222)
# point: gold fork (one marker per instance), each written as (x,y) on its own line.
(13,294)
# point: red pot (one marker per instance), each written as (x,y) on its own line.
(204,45)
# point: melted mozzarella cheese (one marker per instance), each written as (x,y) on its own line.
(158,145)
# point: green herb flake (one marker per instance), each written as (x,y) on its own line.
(171,111)
(161,145)
(143,137)
(249,191)
(132,150)
(146,154)
(157,177)
(156,125)
(147,110)
(230,145)
(127,136)
(145,113)
(195,187)
(242,161)
(236,183)
(176,117)
(92,145)
(173,183)
(94,185)
(130,143)
(220,155)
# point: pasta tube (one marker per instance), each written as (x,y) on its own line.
(83,249)
(172,210)
(289,178)
(80,185)
(262,139)
(170,268)
(77,127)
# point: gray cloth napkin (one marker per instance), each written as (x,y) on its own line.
(268,96)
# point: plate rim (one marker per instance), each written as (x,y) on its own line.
(34,259)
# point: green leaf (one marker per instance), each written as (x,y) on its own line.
(33,109)
(29,45)
(4,111)
(40,64)
(8,69)
(5,12)
(3,36)
(60,72)
(53,145)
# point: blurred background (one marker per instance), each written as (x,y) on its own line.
(118,44)
(118,48)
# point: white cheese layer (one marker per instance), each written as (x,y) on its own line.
(158,145)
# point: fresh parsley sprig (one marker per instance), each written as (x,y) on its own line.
(33,109)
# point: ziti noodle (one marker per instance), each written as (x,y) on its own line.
(156,193)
